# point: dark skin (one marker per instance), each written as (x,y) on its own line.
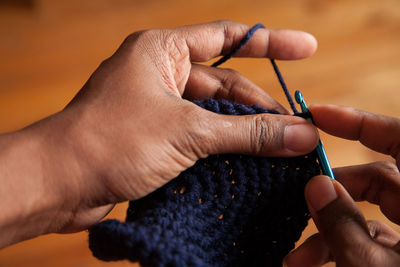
(344,235)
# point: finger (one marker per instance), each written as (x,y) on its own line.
(339,220)
(378,132)
(209,40)
(313,252)
(207,82)
(263,134)
(377,183)
(383,234)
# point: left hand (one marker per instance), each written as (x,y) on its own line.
(130,130)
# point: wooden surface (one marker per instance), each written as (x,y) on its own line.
(48,49)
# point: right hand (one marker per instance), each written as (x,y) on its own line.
(344,235)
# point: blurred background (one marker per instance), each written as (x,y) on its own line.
(48,50)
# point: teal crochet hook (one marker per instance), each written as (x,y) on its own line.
(322,158)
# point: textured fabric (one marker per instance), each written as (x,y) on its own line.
(226,210)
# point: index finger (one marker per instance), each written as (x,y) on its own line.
(339,220)
(378,132)
(209,40)
(377,183)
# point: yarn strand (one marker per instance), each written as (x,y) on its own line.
(242,43)
(284,87)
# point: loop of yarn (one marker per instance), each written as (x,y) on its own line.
(242,43)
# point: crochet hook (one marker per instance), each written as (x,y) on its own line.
(322,158)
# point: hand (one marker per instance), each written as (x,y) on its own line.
(129,131)
(344,235)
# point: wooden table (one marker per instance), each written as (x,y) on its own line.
(48,49)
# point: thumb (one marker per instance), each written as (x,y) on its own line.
(262,134)
(340,221)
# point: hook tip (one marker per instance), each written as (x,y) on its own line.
(298,96)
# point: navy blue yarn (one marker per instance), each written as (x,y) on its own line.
(173,227)
(284,87)
(245,39)
(304,115)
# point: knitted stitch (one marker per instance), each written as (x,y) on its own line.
(226,210)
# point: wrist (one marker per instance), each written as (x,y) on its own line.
(37,183)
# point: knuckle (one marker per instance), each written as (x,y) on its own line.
(170,39)
(356,251)
(232,74)
(387,168)
(264,136)
(198,137)
(372,254)
(167,38)
(144,37)
(175,45)
(225,24)
(362,253)
(383,175)
(134,37)
(227,83)
(223,21)
(142,34)
(339,216)
(374,228)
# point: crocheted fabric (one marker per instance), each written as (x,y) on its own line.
(226,210)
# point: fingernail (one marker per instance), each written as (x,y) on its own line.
(320,191)
(300,137)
